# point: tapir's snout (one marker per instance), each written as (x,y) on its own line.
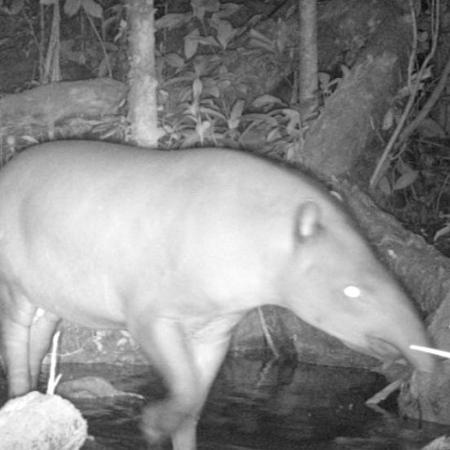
(398,329)
(396,346)
(384,327)
(387,351)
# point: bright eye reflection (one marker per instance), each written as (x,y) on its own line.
(352,292)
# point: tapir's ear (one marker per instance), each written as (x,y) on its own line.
(308,219)
(337,196)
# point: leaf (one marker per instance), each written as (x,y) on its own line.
(191,43)
(422,36)
(226,10)
(266,100)
(345,71)
(198,10)
(30,139)
(174,60)
(92,9)
(200,66)
(405,180)
(281,36)
(211,90)
(425,75)
(207,40)
(225,32)
(291,11)
(384,186)
(430,128)
(441,232)
(236,114)
(209,112)
(324,79)
(291,114)
(258,40)
(403,92)
(402,166)
(256,119)
(102,70)
(71,7)
(293,124)
(16,7)
(388,120)
(197,87)
(208,5)
(202,129)
(172,20)
(190,139)
(273,135)
(291,152)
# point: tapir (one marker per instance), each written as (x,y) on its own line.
(176,247)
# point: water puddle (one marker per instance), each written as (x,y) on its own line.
(257,405)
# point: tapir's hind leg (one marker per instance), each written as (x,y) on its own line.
(16,317)
(188,367)
(25,340)
(15,338)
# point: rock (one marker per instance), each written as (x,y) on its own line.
(41,422)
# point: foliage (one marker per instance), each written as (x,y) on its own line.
(204,117)
(213,29)
(203,112)
(83,49)
(418,187)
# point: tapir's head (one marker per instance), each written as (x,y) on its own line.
(336,284)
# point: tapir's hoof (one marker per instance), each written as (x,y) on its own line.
(160,421)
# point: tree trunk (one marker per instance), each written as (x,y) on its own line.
(142,107)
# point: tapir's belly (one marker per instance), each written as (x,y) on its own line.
(101,282)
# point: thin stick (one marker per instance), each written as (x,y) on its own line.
(52,381)
(267,333)
(432,100)
(433,351)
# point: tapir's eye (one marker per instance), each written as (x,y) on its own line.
(352,291)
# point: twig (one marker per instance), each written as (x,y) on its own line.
(102,45)
(384,393)
(434,97)
(52,70)
(267,333)
(52,380)
(413,55)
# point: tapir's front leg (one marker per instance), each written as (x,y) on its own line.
(208,355)
(188,366)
